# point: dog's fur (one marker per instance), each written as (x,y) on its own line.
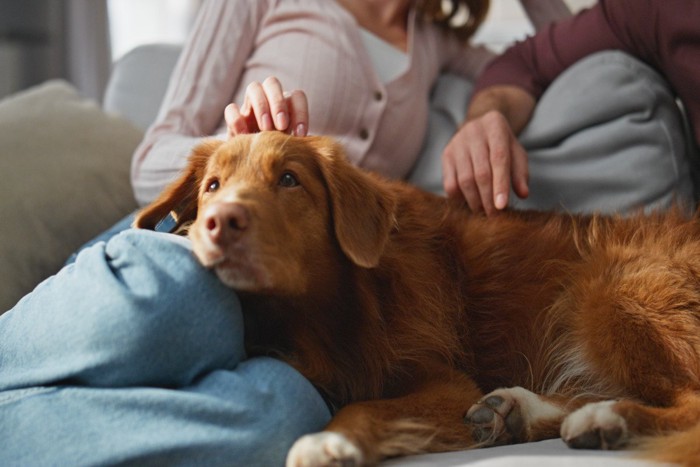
(408,312)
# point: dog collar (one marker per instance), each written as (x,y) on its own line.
(167,224)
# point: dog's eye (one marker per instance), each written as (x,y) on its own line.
(213,186)
(288,180)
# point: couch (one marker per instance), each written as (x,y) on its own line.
(65,165)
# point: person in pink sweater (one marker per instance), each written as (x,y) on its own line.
(367,68)
(485,159)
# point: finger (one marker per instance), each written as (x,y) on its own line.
(467,182)
(246,111)
(449,175)
(520,170)
(299,112)
(458,173)
(500,161)
(257,101)
(277,103)
(483,178)
(235,122)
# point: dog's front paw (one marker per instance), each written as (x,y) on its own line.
(508,415)
(595,426)
(496,419)
(324,449)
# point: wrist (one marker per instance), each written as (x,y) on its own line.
(513,103)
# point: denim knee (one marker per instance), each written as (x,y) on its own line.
(137,310)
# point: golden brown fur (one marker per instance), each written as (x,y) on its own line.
(405,309)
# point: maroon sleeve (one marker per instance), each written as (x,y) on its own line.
(542,13)
(535,62)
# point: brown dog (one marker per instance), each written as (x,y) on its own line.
(406,311)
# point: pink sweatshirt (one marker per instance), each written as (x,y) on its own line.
(314,45)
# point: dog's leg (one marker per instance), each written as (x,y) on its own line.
(516,415)
(427,420)
(619,424)
(637,326)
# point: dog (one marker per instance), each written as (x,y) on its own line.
(430,328)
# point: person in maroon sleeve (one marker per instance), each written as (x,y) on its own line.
(485,159)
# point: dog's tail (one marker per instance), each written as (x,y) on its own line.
(681,448)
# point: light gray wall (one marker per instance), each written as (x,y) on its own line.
(47,39)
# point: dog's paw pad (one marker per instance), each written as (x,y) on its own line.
(324,449)
(496,419)
(595,426)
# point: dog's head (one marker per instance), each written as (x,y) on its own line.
(269,210)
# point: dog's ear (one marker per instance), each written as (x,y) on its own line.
(179,199)
(363,209)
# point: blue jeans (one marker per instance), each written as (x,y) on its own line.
(134,354)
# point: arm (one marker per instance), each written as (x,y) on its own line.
(513,103)
(203,83)
(484,158)
(537,61)
(542,13)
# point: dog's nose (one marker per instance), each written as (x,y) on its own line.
(225,221)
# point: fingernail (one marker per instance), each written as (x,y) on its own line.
(282,121)
(267,122)
(500,201)
(301,130)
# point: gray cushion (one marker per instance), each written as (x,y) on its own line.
(607,136)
